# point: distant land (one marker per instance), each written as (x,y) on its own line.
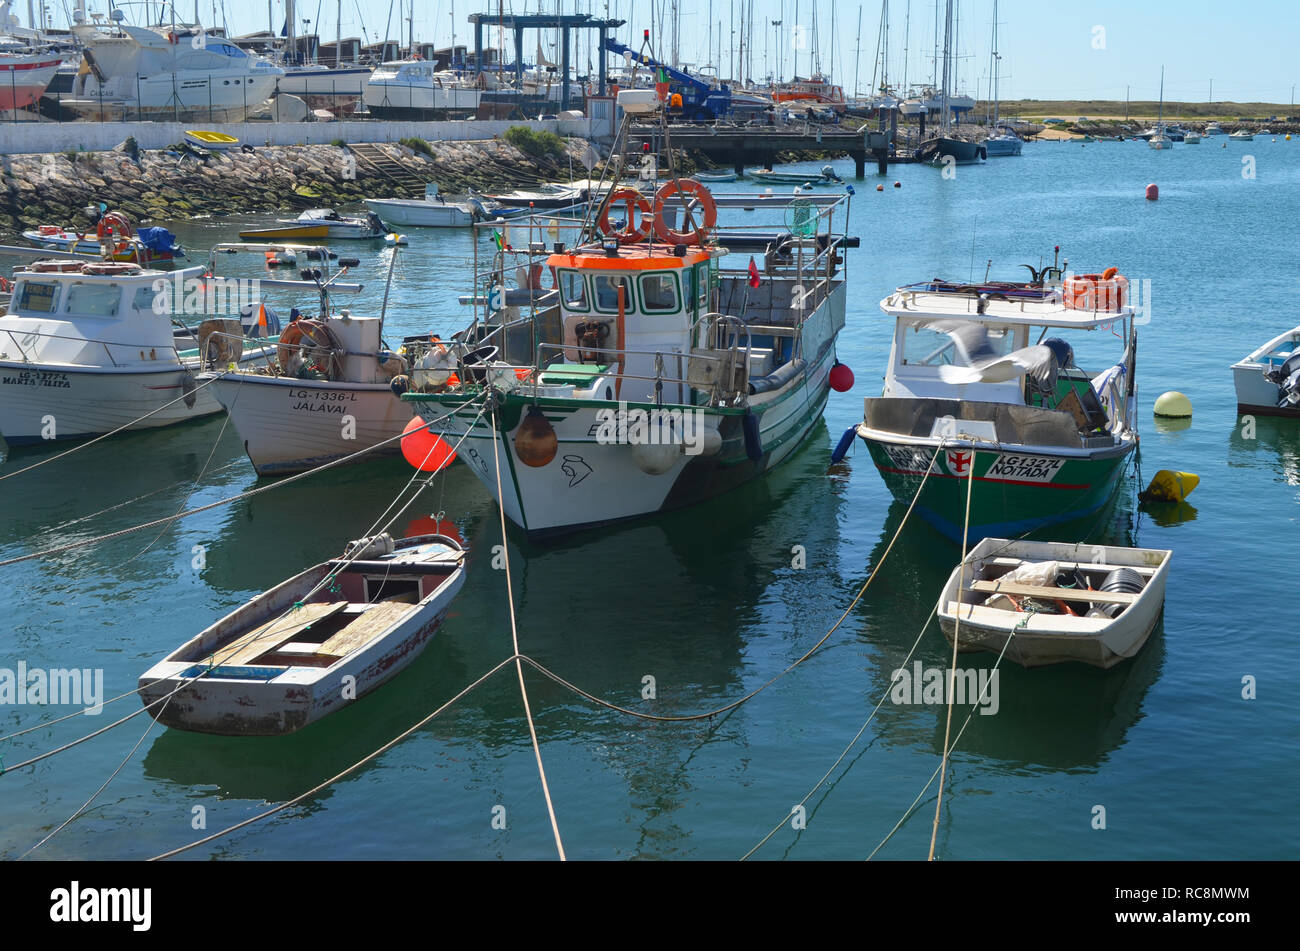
(1072,109)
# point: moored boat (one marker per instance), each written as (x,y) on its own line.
(312,644)
(767,176)
(291,231)
(1242,135)
(971,392)
(360,228)
(89,347)
(1054,602)
(114,238)
(209,139)
(647,377)
(1268,380)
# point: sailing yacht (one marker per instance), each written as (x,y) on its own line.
(1158,139)
(1003,141)
(945,148)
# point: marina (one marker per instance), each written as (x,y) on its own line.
(672,457)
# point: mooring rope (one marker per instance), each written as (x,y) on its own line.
(514,636)
(956,639)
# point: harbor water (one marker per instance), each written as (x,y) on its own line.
(1187,749)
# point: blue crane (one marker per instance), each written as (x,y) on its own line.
(701,102)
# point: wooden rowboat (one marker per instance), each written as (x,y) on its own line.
(1070,617)
(312,644)
(211,140)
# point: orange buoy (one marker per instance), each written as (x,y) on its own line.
(880,188)
(424,450)
(428,525)
(1153,192)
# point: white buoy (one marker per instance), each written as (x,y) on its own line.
(1173,404)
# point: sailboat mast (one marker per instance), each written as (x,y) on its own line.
(857,58)
(946,122)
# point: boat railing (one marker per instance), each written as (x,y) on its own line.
(695,370)
(264,347)
(107,346)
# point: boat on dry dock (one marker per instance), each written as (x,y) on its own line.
(1052,602)
(976,388)
(312,644)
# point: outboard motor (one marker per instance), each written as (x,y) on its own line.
(1287,378)
(476,206)
(376,225)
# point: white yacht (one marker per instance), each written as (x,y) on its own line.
(181,74)
(414,89)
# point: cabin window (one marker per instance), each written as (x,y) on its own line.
(145,298)
(702,284)
(39,297)
(606,289)
(659,293)
(93,300)
(573,289)
(926,346)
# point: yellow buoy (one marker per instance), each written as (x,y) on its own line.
(1169,486)
(1174,404)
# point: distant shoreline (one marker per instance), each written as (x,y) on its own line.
(1072,109)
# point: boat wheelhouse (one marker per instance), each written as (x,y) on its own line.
(979,386)
(650,374)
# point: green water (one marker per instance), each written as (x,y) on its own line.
(708,603)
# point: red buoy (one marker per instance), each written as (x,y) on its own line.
(841,378)
(424,450)
(428,525)
(1153,192)
(898,184)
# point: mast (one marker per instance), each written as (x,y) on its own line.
(1160,115)
(907,36)
(946,121)
(993,63)
(857,57)
(338,34)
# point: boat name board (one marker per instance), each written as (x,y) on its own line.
(1007,467)
(321,401)
(37,378)
(1018,468)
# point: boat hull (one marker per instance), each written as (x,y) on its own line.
(288,425)
(420,214)
(1028,489)
(1000,146)
(944,150)
(72,403)
(590,483)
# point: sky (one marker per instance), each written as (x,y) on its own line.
(1084,49)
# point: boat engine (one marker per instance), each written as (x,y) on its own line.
(1287,378)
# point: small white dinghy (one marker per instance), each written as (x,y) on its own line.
(312,644)
(1268,380)
(1057,601)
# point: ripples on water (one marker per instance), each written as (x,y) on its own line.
(707,602)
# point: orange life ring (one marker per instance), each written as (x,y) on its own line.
(634,201)
(702,195)
(1095,292)
(110,267)
(114,223)
(295,332)
(5,285)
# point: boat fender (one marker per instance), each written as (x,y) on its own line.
(656,458)
(189,388)
(842,447)
(400,384)
(753,438)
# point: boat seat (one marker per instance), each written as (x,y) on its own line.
(368,625)
(272,634)
(1063,594)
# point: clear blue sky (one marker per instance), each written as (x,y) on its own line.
(1049,49)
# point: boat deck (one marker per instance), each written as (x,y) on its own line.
(316,634)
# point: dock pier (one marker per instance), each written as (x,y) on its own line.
(759,145)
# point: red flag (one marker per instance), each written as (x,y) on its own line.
(754,279)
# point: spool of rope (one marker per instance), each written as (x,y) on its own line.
(221,341)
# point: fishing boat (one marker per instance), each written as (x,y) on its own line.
(291,231)
(1268,381)
(647,377)
(434,211)
(1242,135)
(312,644)
(208,139)
(1054,602)
(816,90)
(976,388)
(124,243)
(322,392)
(553,195)
(827,176)
(1213,128)
(1191,138)
(359,228)
(89,347)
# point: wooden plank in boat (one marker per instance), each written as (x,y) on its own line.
(1145,570)
(1009,620)
(272,634)
(365,628)
(1064,594)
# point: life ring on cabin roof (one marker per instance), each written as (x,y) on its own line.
(635,201)
(1105,292)
(702,195)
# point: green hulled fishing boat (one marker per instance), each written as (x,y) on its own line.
(980,386)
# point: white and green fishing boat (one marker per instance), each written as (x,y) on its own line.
(981,386)
(648,375)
